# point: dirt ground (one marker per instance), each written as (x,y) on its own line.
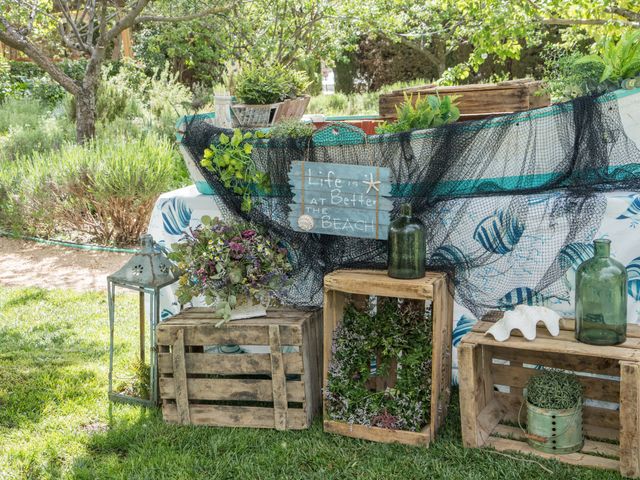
(26,263)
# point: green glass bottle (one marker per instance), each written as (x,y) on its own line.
(601,298)
(406,246)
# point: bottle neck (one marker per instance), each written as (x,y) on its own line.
(602,248)
(405,209)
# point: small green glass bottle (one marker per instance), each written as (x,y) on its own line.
(406,246)
(601,298)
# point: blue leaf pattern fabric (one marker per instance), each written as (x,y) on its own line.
(463,326)
(633,279)
(633,210)
(574,254)
(499,233)
(176,216)
(521,295)
(449,254)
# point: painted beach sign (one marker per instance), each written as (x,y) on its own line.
(337,199)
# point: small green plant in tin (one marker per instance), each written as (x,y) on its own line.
(554,389)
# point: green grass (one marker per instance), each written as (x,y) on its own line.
(55,420)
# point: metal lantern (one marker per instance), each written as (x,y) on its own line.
(147,272)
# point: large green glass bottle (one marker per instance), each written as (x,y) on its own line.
(601,298)
(406,246)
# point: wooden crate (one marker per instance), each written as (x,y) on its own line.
(492,376)
(263,390)
(478,100)
(356,285)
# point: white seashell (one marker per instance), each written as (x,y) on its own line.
(525,319)
(305,222)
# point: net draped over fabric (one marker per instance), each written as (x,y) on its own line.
(509,204)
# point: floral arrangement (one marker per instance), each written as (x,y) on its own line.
(398,335)
(230,265)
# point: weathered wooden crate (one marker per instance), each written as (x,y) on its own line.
(263,390)
(342,286)
(492,376)
(477,100)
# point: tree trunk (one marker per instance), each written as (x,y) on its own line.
(86,114)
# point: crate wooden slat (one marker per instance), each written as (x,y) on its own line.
(478,99)
(355,286)
(219,389)
(492,376)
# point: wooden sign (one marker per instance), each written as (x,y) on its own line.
(337,199)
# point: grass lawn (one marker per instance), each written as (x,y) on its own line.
(56,422)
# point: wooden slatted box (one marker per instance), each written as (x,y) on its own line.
(263,390)
(356,286)
(493,374)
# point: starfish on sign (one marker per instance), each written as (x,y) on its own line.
(372,183)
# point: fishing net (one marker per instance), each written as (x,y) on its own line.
(509,203)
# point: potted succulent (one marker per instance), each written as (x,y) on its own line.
(267,95)
(554,412)
(233,267)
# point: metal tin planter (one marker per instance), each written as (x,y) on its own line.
(555,431)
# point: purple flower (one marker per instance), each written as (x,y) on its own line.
(237,249)
(247,234)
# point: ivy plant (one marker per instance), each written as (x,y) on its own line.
(230,159)
(426,112)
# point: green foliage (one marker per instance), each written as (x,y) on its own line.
(344,104)
(262,85)
(619,60)
(569,78)
(137,384)
(428,112)
(396,333)
(554,389)
(230,265)
(26,127)
(230,159)
(102,191)
(193,49)
(291,129)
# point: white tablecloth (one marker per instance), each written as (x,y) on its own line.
(176,211)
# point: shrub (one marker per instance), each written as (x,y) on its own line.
(104,190)
(263,85)
(343,104)
(26,127)
(291,129)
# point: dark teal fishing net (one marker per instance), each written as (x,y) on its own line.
(509,203)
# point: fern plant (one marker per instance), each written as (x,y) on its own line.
(621,59)
(426,112)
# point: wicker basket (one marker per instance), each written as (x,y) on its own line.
(257,116)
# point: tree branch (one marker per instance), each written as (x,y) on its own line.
(183,18)
(587,21)
(624,12)
(125,22)
(13,39)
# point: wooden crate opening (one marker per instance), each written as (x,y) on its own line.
(356,286)
(279,388)
(493,376)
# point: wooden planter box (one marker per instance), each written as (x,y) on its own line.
(356,285)
(489,411)
(476,101)
(263,390)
